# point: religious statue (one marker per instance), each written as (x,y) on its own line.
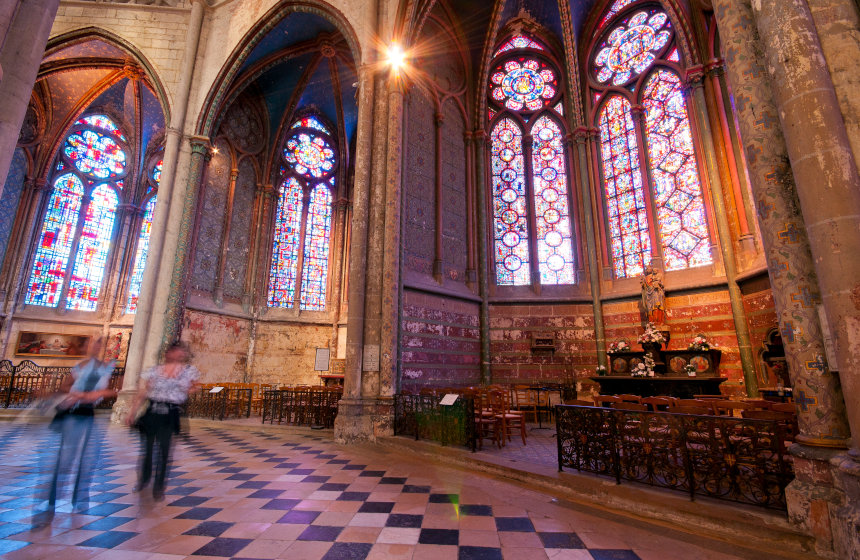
(653,295)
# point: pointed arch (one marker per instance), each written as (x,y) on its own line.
(510,218)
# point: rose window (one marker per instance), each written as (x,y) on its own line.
(310,155)
(631,47)
(524,83)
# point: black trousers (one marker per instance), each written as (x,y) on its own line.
(157,429)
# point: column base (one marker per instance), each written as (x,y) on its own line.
(122,406)
(824,500)
(364,419)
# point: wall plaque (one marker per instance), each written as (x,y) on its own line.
(370,361)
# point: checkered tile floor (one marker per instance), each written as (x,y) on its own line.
(276,494)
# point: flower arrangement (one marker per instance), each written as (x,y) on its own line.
(620,346)
(651,335)
(690,370)
(600,371)
(700,343)
(645,368)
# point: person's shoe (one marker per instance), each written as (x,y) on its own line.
(42,519)
(157,494)
(139,486)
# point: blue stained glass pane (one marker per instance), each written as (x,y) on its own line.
(518,42)
(510,223)
(140,257)
(316,250)
(93,248)
(632,46)
(55,242)
(310,155)
(310,122)
(285,249)
(554,236)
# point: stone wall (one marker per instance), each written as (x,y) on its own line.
(439,341)
(219,343)
(512,328)
(418,188)
(761,318)
(210,220)
(11,195)
(284,352)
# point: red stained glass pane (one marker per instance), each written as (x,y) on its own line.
(677,187)
(627,219)
(310,155)
(518,42)
(523,84)
(102,122)
(93,248)
(316,250)
(510,223)
(95,154)
(632,46)
(614,9)
(55,242)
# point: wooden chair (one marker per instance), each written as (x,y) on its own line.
(578,402)
(623,405)
(788,420)
(630,398)
(508,421)
(659,404)
(728,408)
(706,397)
(783,407)
(691,409)
(605,401)
(707,405)
(525,401)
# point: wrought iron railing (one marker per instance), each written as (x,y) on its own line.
(736,459)
(21,384)
(227,403)
(302,406)
(422,417)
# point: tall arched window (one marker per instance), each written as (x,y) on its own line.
(532,233)
(77,230)
(300,248)
(635,67)
(143,238)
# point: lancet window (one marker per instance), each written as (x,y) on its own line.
(532,233)
(142,251)
(299,270)
(649,168)
(77,231)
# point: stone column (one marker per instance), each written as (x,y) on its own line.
(20,57)
(480,139)
(349,425)
(170,295)
(697,100)
(390,324)
(825,171)
(581,138)
(794,284)
(814,501)
(135,360)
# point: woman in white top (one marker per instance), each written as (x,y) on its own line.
(167,387)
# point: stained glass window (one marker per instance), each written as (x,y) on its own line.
(616,7)
(310,122)
(102,122)
(140,256)
(55,242)
(90,167)
(632,46)
(285,252)
(518,42)
(317,235)
(630,49)
(310,155)
(95,154)
(510,221)
(555,251)
(677,188)
(93,247)
(156,171)
(523,83)
(630,244)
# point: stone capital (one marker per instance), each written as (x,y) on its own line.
(637,111)
(439,119)
(580,135)
(200,145)
(695,77)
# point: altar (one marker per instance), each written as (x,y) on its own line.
(682,387)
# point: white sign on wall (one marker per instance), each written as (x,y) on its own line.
(370,361)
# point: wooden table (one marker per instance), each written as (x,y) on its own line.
(683,387)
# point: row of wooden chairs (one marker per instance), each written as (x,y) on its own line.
(761,409)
